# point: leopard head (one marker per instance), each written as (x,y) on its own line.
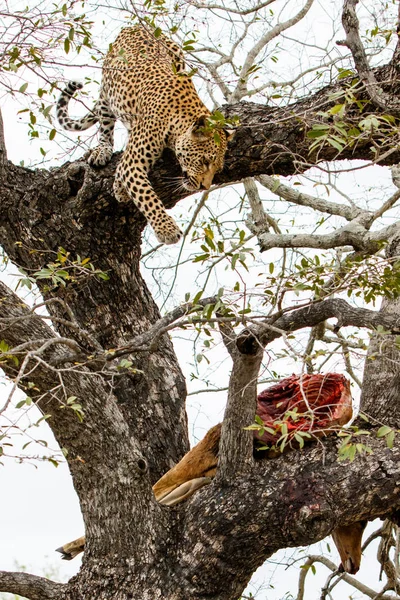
(200,152)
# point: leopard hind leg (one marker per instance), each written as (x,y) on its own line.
(101,155)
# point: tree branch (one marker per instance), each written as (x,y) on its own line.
(241,90)
(388,104)
(309,316)
(236,445)
(352,235)
(30,586)
(302,199)
(3,149)
(236,11)
(343,576)
(290,501)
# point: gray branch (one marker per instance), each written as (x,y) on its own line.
(309,316)
(352,236)
(3,150)
(236,445)
(353,41)
(333,208)
(343,576)
(241,90)
(30,586)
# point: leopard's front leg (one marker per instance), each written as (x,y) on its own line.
(132,184)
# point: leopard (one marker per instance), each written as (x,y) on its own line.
(145,85)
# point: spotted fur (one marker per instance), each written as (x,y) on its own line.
(144,85)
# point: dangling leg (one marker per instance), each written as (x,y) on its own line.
(132,184)
(102,154)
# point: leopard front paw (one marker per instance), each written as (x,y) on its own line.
(168,231)
(100,156)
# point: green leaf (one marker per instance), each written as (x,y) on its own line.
(333,142)
(316,134)
(125,364)
(23,88)
(4,347)
(197,297)
(337,108)
(382,431)
(104,276)
(390,439)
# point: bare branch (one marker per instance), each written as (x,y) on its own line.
(314,314)
(345,577)
(236,11)
(259,221)
(241,89)
(353,234)
(30,586)
(333,208)
(353,41)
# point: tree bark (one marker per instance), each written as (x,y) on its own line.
(134,426)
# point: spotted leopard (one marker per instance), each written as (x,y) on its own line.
(144,85)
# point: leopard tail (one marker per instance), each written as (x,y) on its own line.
(62,110)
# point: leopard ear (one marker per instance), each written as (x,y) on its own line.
(199,129)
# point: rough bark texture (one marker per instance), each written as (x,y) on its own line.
(135,424)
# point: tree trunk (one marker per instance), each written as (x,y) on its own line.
(134,423)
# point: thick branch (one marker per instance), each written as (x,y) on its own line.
(353,234)
(269,141)
(313,314)
(30,586)
(290,501)
(236,445)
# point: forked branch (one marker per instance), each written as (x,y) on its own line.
(353,41)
